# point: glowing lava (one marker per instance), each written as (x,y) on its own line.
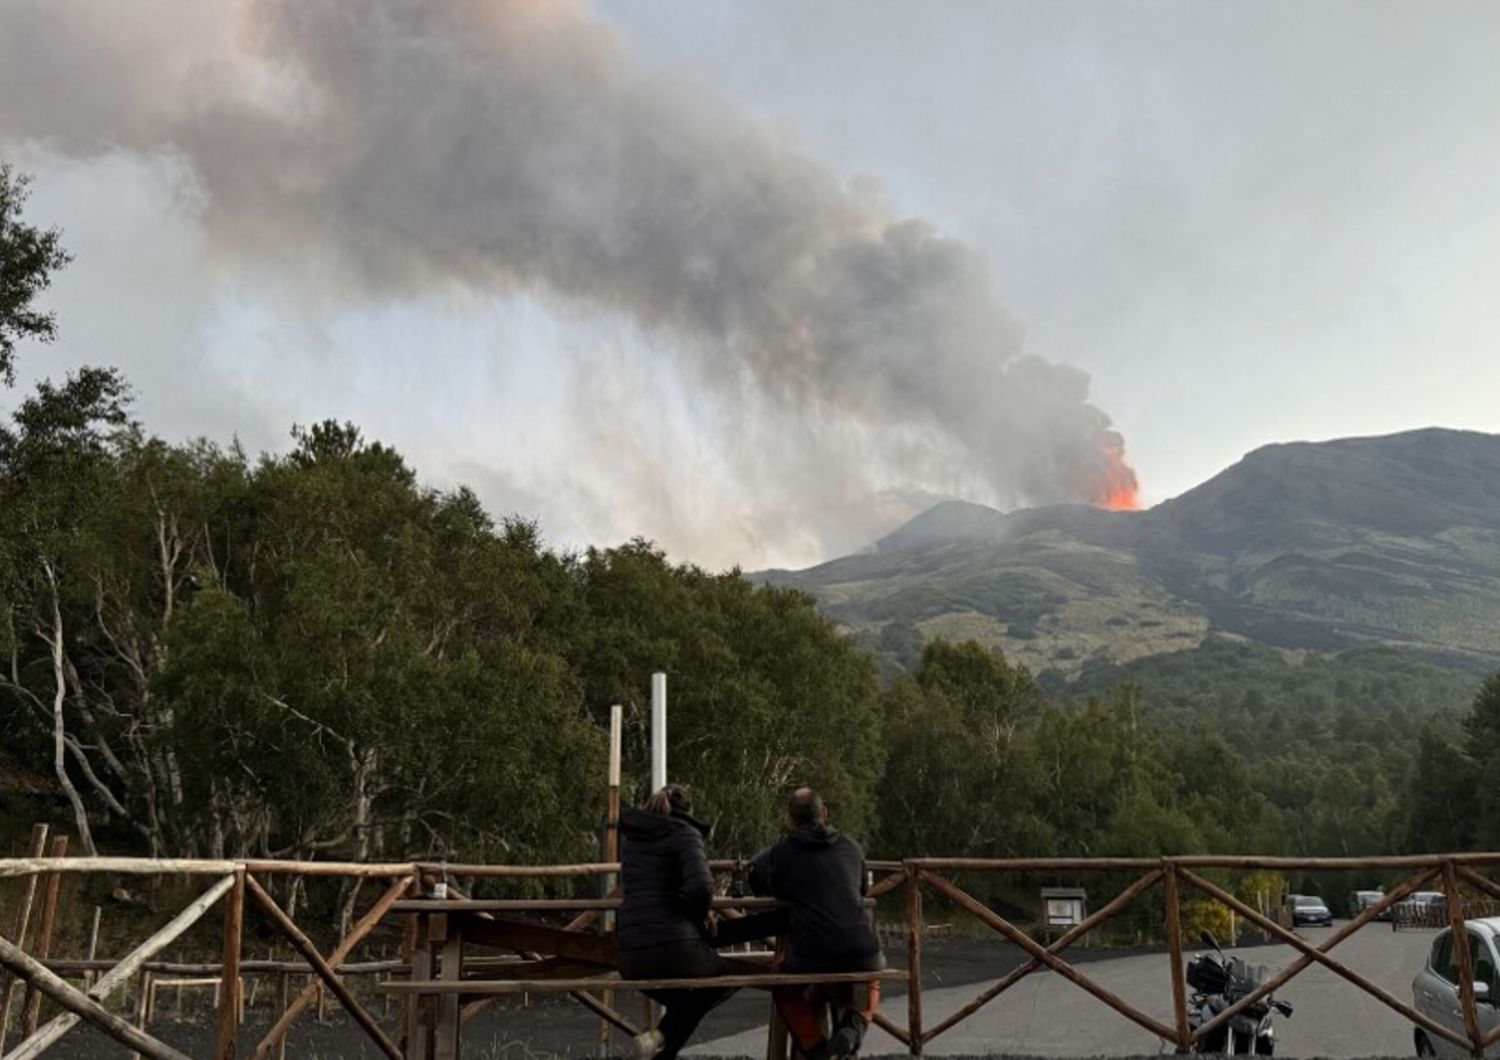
(1118,490)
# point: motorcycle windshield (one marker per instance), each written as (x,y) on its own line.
(1243,978)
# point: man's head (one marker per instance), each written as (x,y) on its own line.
(806,808)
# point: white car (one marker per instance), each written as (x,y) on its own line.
(1423,909)
(1435,989)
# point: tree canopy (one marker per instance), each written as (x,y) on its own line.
(28,258)
(312,653)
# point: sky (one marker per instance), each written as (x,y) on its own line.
(1246,223)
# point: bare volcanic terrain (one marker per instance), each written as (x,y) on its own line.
(1391,540)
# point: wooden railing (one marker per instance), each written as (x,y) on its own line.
(1445,872)
(231,882)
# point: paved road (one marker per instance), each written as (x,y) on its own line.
(1045,1015)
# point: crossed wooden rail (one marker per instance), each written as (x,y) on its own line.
(1451,869)
(231,882)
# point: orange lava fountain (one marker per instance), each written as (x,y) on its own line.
(1118,489)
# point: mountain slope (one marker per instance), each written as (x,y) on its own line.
(1330,545)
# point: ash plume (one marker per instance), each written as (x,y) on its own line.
(397,148)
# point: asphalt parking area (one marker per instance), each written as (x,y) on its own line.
(1045,1015)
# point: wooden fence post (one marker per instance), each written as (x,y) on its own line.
(142,1004)
(449,1027)
(227,1026)
(419,1024)
(91,975)
(31,1008)
(1463,958)
(776,1035)
(23,920)
(283,1002)
(1174,954)
(612,846)
(914,959)
(408,957)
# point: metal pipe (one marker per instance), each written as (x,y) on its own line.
(616,731)
(658,731)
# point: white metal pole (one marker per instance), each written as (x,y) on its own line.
(616,730)
(658,731)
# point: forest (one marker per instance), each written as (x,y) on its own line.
(312,654)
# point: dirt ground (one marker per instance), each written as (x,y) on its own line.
(551,1026)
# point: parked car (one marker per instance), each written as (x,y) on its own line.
(1421,899)
(1359,901)
(1435,991)
(1309,909)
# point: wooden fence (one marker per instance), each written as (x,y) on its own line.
(1447,872)
(229,884)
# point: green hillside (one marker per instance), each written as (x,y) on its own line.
(1390,541)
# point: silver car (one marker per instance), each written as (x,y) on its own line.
(1435,989)
(1310,909)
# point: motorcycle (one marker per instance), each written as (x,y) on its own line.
(1218,982)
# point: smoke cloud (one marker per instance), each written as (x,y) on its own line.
(853,364)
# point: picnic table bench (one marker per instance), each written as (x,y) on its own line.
(446,993)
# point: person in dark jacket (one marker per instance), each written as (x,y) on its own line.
(662,928)
(820,873)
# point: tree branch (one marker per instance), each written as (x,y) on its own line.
(93,779)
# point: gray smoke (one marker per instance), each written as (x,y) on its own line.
(405,146)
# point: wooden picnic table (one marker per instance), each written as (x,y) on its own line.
(445,993)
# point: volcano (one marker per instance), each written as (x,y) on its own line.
(1391,540)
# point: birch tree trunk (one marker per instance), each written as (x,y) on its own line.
(59,721)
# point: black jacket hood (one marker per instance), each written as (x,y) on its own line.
(644,826)
(814,835)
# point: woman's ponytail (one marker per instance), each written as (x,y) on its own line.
(673,797)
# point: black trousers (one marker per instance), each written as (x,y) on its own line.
(683,1010)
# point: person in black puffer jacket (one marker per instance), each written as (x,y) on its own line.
(662,928)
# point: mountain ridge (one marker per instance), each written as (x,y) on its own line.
(1380,540)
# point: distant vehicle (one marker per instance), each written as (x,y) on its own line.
(1435,991)
(1423,909)
(1426,898)
(1359,901)
(1309,909)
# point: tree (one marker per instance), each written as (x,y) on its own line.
(1440,803)
(28,258)
(765,694)
(55,476)
(1481,741)
(963,775)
